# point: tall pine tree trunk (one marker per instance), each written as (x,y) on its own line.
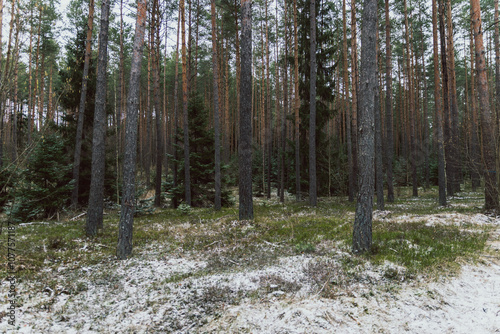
(446,104)
(175,173)
(389,142)
(354,103)
(350,160)
(490,189)
(454,134)
(217,202)
(81,108)
(185,79)
(245,144)
(96,197)
(379,151)
(313,198)
(156,90)
(497,86)
(362,230)
(124,248)
(296,102)
(285,103)
(475,147)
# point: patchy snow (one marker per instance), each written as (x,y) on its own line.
(155,293)
(467,304)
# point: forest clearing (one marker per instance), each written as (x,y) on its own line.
(432,269)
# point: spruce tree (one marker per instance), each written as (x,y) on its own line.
(45,184)
(201,159)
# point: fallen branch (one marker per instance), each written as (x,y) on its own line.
(80,215)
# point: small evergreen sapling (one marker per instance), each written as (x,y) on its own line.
(45,184)
(202,165)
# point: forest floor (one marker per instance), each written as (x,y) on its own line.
(290,270)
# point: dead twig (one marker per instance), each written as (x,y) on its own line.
(80,215)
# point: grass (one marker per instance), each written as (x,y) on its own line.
(277,230)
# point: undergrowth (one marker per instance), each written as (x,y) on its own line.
(278,230)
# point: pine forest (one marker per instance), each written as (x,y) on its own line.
(262,151)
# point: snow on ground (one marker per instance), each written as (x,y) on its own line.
(175,295)
(467,304)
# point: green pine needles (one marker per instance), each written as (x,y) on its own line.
(202,165)
(45,184)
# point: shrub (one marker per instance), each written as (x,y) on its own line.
(45,184)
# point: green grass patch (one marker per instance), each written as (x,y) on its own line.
(423,249)
(277,230)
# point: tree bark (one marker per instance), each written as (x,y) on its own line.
(245,144)
(474,136)
(217,202)
(285,103)
(156,90)
(81,108)
(175,175)
(30,74)
(124,248)
(354,103)
(362,230)
(446,104)
(313,197)
(297,103)
(389,142)
(438,109)
(497,85)
(350,160)
(96,197)
(379,151)
(411,106)
(455,158)
(185,79)
(489,159)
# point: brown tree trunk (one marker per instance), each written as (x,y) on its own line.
(245,144)
(446,104)
(158,112)
(354,103)
(297,103)
(489,159)
(454,135)
(474,135)
(238,68)
(30,75)
(389,142)
(497,86)
(124,248)
(268,146)
(285,102)
(96,197)
(81,108)
(362,230)
(313,197)
(187,174)
(217,202)
(411,106)
(176,113)
(379,151)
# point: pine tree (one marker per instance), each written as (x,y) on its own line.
(362,231)
(202,164)
(45,184)
(245,142)
(124,248)
(96,199)
(488,141)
